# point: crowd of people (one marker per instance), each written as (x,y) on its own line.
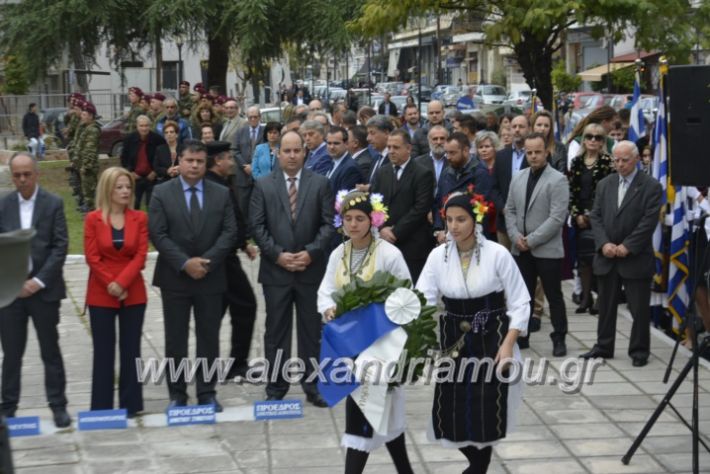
(488,215)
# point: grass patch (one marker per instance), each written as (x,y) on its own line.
(54,178)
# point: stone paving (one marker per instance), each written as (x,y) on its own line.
(587,432)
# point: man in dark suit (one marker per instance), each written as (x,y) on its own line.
(357,146)
(535,212)
(246,139)
(345,173)
(138,157)
(508,162)
(42,292)
(317,159)
(291,218)
(408,192)
(624,216)
(379,128)
(239,297)
(193,228)
(435,116)
(387,107)
(435,160)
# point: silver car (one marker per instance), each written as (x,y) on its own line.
(490,95)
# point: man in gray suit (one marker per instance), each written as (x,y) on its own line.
(535,212)
(624,216)
(42,292)
(192,225)
(245,140)
(291,217)
(232,122)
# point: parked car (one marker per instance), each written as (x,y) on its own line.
(111,138)
(426,92)
(580,100)
(617,101)
(453,94)
(490,95)
(271,114)
(439,91)
(520,98)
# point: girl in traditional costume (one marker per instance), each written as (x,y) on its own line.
(487,307)
(360,214)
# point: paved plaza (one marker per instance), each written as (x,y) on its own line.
(587,432)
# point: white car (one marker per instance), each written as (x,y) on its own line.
(490,95)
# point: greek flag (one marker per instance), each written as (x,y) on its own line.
(659,171)
(678,283)
(637,124)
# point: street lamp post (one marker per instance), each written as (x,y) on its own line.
(179,43)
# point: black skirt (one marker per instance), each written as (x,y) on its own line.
(472,407)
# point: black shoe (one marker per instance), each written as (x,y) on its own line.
(212,401)
(559,349)
(176,403)
(595,308)
(316,400)
(535,324)
(639,361)
(523,343)
(585,306)
(596,353)
(9,412)
(576,298)
(61,417)
(273,398)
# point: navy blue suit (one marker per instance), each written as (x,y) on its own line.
(453,179)
(319,161)
(346,175)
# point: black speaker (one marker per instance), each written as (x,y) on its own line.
(689,107)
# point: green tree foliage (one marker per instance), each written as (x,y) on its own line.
(534,29)
(15,76)
(562,81)
(623,79)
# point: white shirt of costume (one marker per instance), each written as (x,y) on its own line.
(388,258)
(496,272)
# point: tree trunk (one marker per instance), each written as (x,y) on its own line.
(535,59)
(78,60)
(158,63)
(218,61)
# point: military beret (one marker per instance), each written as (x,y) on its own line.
(136,90)
(220,100)
(146,97)
(158,96)
(88,107)
(185,83)
(216,147)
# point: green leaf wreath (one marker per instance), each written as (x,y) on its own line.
(421,333)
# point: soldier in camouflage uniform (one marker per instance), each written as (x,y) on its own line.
(156,111)
(73,130)
(87,150)
(185,102)
(134,97)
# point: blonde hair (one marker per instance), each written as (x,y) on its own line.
(104,189)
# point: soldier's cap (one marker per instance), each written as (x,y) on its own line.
(136,90)
(147,97)
(76,95)
(209,97)
(185,83)
(220,100)
(199,87)
(88,107)
(216,147)
(158,96)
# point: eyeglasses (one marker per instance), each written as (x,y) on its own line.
(598,138)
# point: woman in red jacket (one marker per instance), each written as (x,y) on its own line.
(116,244)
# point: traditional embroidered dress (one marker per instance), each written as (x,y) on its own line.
(345,263)
(484,295)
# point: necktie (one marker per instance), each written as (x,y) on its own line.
(253,138)
(225,130)
(292,196)
(397,169)
(622,192)
(195,211)
(375,167)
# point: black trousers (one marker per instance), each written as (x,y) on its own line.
(143,187)
(241,302)
(279,323)
(13,336)
(176,320)
(638,294)
(549,270)
(103,332)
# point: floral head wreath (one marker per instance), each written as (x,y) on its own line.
(474,203)
(370,203)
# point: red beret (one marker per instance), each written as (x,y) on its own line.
(220,100)
(158,96)
(147,97)
(199,87)
(209,97)
(136,90)
(89,107)
(184,83)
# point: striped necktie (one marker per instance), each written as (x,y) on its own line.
(292,196)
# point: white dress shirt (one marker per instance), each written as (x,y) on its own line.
(297,182)
(27,210)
